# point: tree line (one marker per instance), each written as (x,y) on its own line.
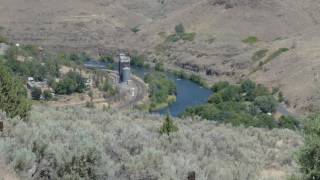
(247,104)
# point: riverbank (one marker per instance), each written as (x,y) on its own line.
(162,90)
(178,72)
(170,100)
(187,94)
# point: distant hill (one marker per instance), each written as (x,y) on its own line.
(217,49)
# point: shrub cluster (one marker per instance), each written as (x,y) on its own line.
(268,59)
(258,55)
(180,34)
(70,83)
(159,67)
(161,89)
(135,29)
(78,58)
(276,54)
(107,59)
(138,61)
(250,40)
(197,79)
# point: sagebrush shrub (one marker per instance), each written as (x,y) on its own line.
(78,143)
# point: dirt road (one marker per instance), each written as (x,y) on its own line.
(139,93)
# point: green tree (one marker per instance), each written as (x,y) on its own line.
(168,126)
(309,155)
(28,69)
(206,111)
(280,97)
(159,67)
(36,93)
(135,29)
(216,98)
(79,58)
(263,121)
(231,93)
(248,87)
(219,86)
(267,104)
(53,68)
(261,90)
(72,82)
(179,28)
(13,96)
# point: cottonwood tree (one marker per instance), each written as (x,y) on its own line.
(13,96)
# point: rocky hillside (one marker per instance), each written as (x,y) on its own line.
(233,39)
(74,143)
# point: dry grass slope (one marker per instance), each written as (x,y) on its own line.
(73,143)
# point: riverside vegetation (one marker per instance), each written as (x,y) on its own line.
(247,104)
(162,90)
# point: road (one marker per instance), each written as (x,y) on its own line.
(137,91)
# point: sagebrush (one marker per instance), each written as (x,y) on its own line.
(81,143)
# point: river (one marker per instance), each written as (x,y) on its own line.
(188,93)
